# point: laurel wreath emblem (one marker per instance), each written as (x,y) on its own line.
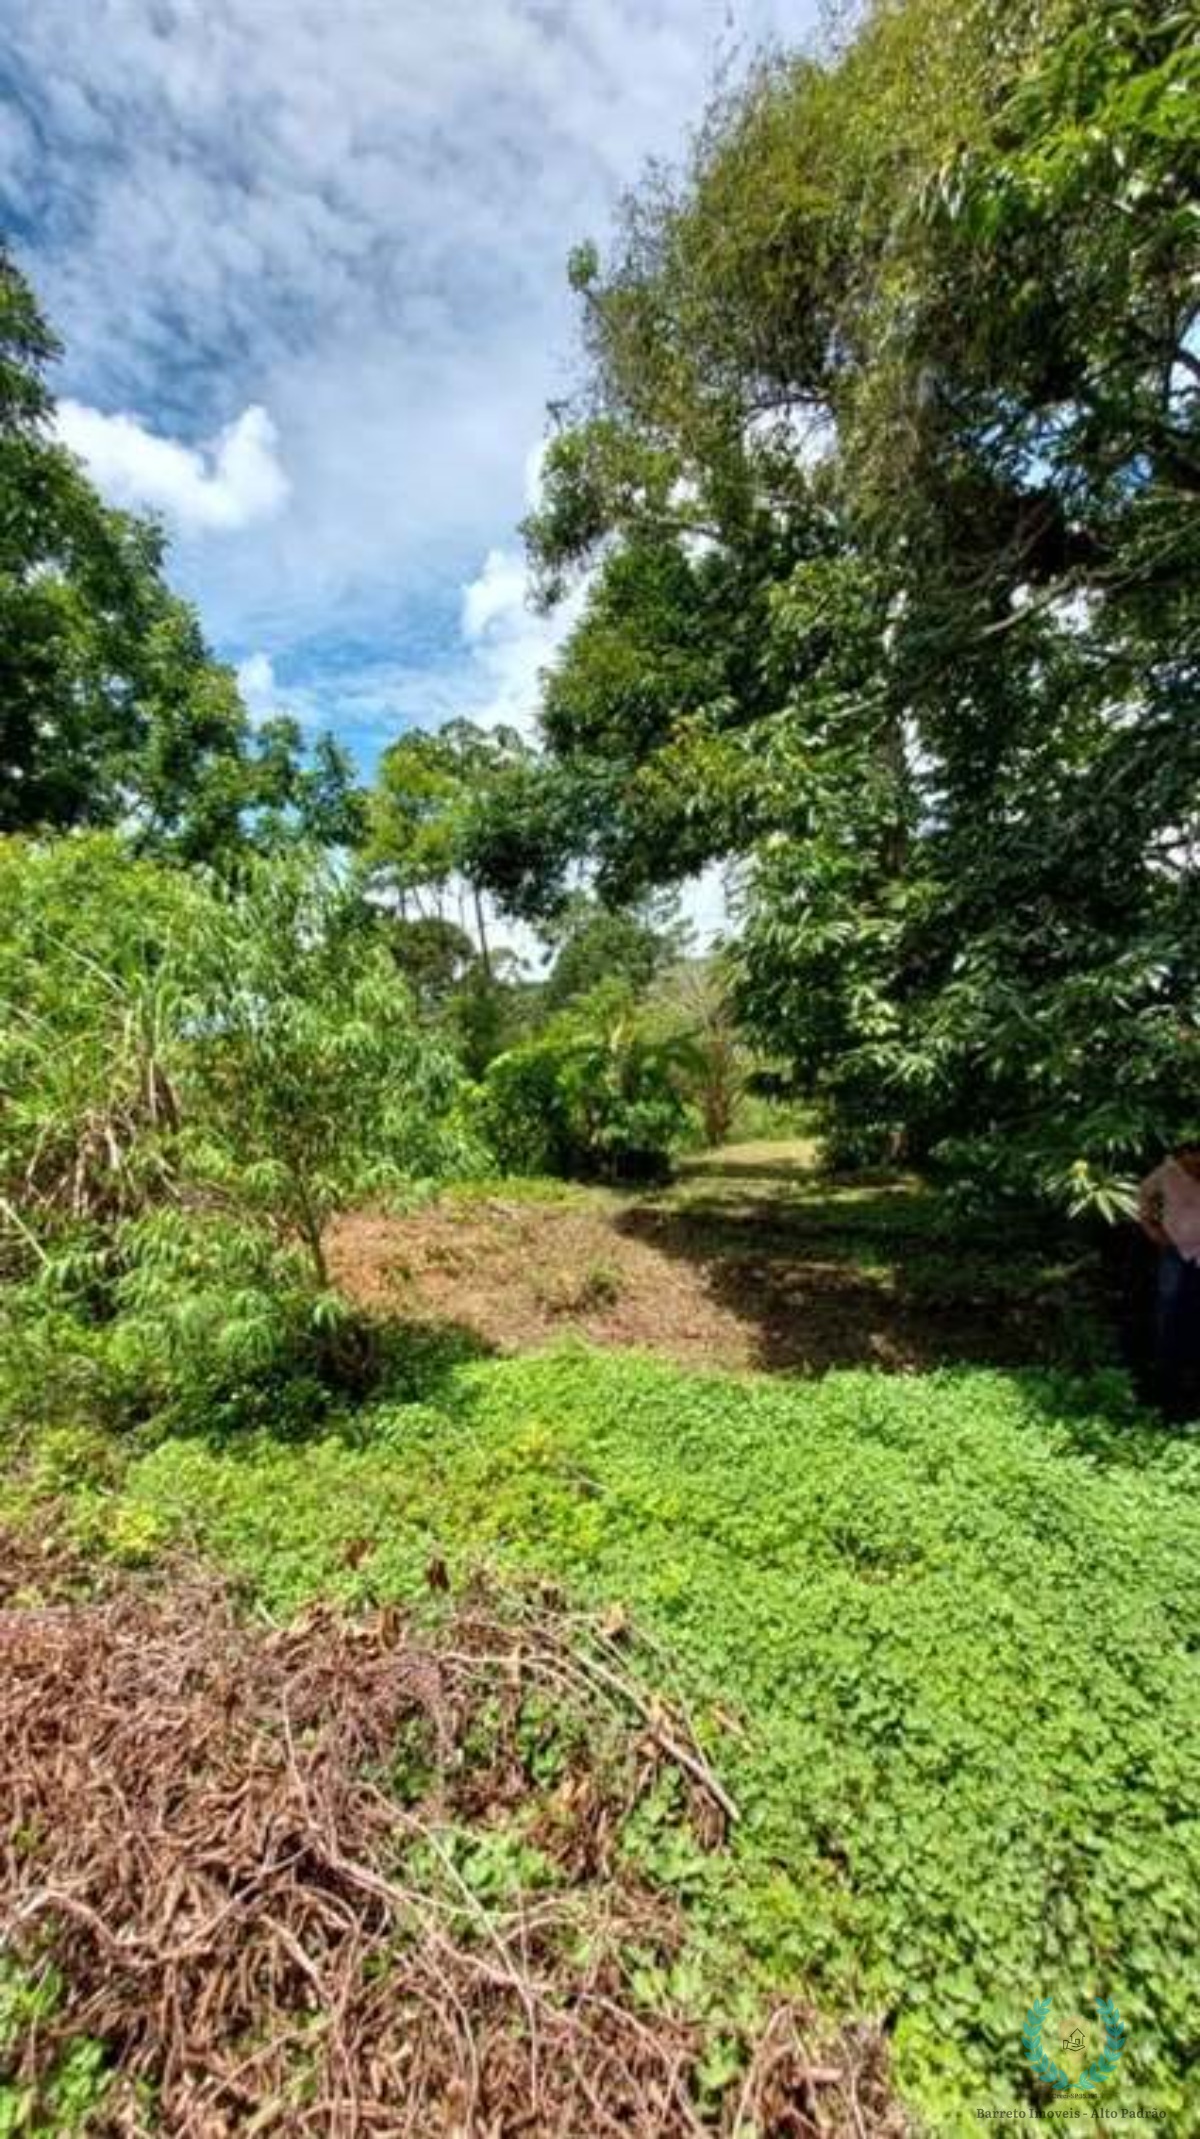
(1100,2069)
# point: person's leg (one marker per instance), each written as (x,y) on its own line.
(1174,1316)
(1188,1329)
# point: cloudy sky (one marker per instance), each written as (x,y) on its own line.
(307,259)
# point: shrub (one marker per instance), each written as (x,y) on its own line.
(193,1079)
(91,1036)
(311,1082)
(522,1111)
(587,1104)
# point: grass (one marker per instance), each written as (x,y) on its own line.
(942,1634)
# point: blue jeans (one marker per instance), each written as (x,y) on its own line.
(1177,1327)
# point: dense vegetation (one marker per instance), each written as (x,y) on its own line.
(197,1076)
(882,475)
(885,470)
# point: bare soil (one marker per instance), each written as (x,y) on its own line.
(735,1266)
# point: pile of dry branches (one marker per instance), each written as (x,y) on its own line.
(242,1849)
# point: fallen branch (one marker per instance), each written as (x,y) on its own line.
(247,1854)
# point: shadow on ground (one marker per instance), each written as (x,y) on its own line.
(872,1286)
(748,1260)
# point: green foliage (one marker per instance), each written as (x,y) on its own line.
(522,1111)
(886,463)
(595,1096)
(594,944)
(477,1008)
(641,716)
(412,837)
(112,709)
(885,472)
(421,813)
(195,1077)
(215,1320)
(313,1086)
(959,1789)
(91,1017)
(419,861)
(435,956)
(692,1006)
(766,1115)
(73,2096)
(1074,211)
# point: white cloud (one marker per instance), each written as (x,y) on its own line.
(511,642)
(486,667)
(495,600)
(256,682)
(232,483)
(259,687)
(355,217)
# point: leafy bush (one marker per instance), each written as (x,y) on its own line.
(312,1083)
(91,1035)
(194,1078)
(586,1101)
(215,1321)
(522,1110)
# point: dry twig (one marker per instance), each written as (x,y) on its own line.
(261,1917)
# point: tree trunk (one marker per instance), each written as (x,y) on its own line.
(485,956)
(311,1234)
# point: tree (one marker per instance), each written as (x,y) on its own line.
(313,1084)
(112,709)
(694,1007)
(435,956)
(419,845)
(594,943)
(195,1076)
(885,466)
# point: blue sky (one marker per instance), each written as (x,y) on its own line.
(307,259)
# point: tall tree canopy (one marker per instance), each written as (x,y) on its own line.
(430,789)
(112,709)
(886,470)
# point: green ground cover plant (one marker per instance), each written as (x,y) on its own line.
(940,1634)
(74,2097)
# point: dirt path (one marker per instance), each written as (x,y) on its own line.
(748,1260)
